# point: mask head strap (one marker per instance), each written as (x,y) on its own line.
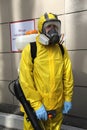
(46,16)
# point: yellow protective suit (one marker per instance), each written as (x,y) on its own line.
(49,80)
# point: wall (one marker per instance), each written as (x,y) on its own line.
(73,16)
(76,42)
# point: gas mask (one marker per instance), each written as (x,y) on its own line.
(52,36)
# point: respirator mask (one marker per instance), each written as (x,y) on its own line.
(52,35)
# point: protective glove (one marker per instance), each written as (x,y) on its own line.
(67,107)
(41,113)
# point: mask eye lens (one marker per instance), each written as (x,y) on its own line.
(54,26)
(51,26)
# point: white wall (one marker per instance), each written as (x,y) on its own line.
(76,42)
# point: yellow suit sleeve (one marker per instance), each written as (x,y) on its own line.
(67,78)
(26,79)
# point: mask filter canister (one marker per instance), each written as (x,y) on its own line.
(43,39)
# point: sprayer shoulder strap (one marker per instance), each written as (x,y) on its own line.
(62,49)
(33,50)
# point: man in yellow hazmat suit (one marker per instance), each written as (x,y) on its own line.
(48,82)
